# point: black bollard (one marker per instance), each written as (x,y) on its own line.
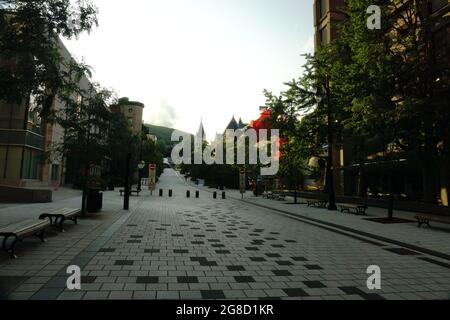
(188,194)
(223,195)
(161,192)
(197,194)
(215,195)
(170,193)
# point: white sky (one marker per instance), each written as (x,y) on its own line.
(193,59)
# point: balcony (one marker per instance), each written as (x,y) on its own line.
(21,138)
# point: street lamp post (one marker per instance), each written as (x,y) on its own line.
(126,198)
(330,169)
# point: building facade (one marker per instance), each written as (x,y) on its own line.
(326,17)
(350,176)
(133,112)
(28,155)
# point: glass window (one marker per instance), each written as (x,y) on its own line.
(437,4)
(55,172)
(2,161)
(14,162)
(31,165)
(322,8)
(324,36)
(440,43)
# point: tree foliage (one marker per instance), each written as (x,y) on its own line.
(30,55)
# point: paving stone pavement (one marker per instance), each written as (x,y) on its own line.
(179,248)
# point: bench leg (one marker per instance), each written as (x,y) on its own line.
(10,249)
(41,235)
(60,223)
(75,220)
(53,220)
(422,222)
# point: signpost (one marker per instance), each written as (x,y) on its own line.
(152,178)
(242,182)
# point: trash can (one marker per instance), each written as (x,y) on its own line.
(94,201)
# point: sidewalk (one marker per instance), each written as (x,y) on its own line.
(188,248)
(436,238)
(64,198)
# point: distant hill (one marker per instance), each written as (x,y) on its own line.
(164,136)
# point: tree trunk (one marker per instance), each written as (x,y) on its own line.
(429,182)
(85,190)
(362,185)
(444,183)
(391,198)
(295,191)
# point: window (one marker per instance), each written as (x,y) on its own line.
(31,165)
(322,8)
(437,4)
(13,161)
(55,172)
(324,36)
(34,120)
(130,121)
(440,44)
(2,161)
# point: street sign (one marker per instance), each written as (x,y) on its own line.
(152,177)
(242,181)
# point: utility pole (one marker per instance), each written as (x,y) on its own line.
(330,170)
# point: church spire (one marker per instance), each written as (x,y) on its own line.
(201,131)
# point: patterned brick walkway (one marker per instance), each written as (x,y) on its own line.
(179,248)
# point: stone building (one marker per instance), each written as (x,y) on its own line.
(27,144)
(133,112)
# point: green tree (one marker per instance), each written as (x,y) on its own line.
(284,116)
(30,55)
(152,154)
(85,120)
(121,142)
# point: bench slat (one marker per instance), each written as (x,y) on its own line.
(434,218)
(65,212)
(25,226)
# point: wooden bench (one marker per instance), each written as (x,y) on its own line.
(322,204)
(279,197)
(58,217)
(427,218)
(358,209)
(132,192)
(19,231)
(268,195)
